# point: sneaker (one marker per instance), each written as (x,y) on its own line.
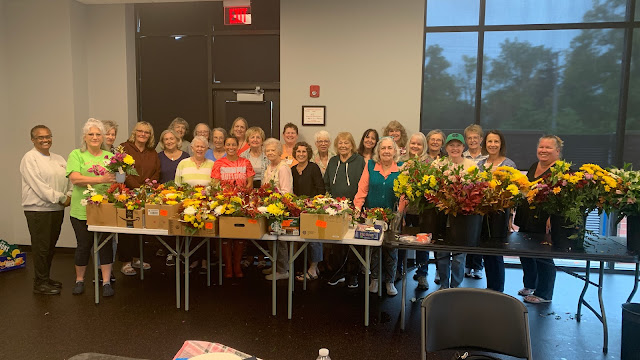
(353,282)
(478,274)
(391,289)
(46,289)
(423,284)
(107,290)
(279,276)
(468,272)
(54,283)
(436,279)
(171,260)
(373,287)
(78,288)
(160,253)
(337,279)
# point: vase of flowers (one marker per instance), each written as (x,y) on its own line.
(121,164)
(625,201)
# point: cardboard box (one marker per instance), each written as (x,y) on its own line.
(157,216)
(288,226)
(179,228)
(10,263)
(232,227)
(364,231)
(101,215)
(325,227)
(130,218)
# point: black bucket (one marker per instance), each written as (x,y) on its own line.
(633,233)
(496,224)
(565,235)
(434,222)
(464,230)
(630,347)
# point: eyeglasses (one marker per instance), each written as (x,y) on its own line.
(139,131)
(41,138)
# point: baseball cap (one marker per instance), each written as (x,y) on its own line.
(455,136)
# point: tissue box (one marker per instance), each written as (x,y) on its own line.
(366,232)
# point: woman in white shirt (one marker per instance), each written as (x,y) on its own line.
(45,193)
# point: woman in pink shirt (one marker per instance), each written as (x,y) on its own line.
(237,171)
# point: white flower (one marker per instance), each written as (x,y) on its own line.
(85,192)
(106,162)
(262,209)
(331,211)
(190,210)
(83,202)
(218,210)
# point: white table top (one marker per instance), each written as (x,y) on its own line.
(124,230)
(349,237)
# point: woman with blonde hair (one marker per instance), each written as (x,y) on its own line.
(141,146)
(255,154)
(171,154)
(399,135)
(111,128)
(239,131)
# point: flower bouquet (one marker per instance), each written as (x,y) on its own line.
(324,217)
(196,214)
(625,201)
(120,164)
(324,204)
(416,179)
(238,212)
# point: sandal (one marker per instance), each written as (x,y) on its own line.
(136,264)
(309,277)
(532,299)
(526,291)
(128,270)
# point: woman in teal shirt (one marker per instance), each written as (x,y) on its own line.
(92,152)
(377,178)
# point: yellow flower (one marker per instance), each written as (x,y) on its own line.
(97,198)
(484,176)
(121,197)
(607,188)
(513,189)
(493,184)
(129,160)
(556,189)
(171,202)
(573,179)
(275,209)
(472,169)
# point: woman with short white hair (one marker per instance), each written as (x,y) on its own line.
(91,153)
(324,153)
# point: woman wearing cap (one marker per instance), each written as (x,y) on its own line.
(451,269)
(377,179)
(539,274)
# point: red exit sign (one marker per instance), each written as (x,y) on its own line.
(237,15)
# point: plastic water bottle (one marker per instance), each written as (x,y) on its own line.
(323,354)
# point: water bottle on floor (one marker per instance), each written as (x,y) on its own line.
(323,354)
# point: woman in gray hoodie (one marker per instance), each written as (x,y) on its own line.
(341,180)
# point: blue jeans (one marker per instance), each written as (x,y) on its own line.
(390,261)
(315,252)
(494,269)
(450,266)
(539,274)
(422,262)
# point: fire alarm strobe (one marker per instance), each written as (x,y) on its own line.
(314,91)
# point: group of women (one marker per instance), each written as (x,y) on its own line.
(363,173)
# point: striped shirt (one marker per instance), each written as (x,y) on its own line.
(189,173)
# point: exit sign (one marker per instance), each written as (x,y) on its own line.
(237,15)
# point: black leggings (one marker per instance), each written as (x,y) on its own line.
(84,238)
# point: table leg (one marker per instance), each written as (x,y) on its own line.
(273,280)
(187,239)
(367,256)
(208,262)
(404,293)
(95,267)
(219,261)
(380,280)
(304,270)
(291,275)
(605,328)
(140,242)
(177,260)
(635,283)
(584,291)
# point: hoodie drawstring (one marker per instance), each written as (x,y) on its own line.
(346,172)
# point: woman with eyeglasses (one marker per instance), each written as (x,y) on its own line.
(141,146)
(323,145)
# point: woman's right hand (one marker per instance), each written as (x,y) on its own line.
(109,178)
